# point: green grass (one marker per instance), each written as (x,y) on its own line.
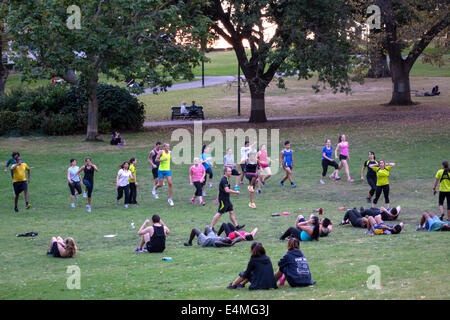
(413,264)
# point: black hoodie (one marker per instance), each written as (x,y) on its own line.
(295,267)
(260,273)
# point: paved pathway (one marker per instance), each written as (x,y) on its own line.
(209,81)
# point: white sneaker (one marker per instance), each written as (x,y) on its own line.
(155,195)
(154,190)
(203,194)
(322,182)
(84,195)
(126,205)
(210,185)
(170,201)
(73,205)
(76,197)
(117,202)
(88,209)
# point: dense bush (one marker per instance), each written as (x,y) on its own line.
(62,110)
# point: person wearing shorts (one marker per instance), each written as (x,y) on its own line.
(443,178)
(164,170)
(431,222)
(382,169)
(88,180)
(287,163)
(209,239)
(264,164)
(228,161)
(74,181)
(371,175)
(20,182)
(60,248)
(327,160)
(251,173)
(343,156)
(197,177)
(155,166)
(225,204)
(376,226)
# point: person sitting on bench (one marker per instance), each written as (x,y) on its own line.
(193,109)
(431,222)
(375,225)
(183,109)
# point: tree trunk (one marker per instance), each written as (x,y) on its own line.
(379,67)
(4,72)
(92,125)
(258,106)
(401,93)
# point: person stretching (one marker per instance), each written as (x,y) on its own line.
(88,179)
(60,248)
(371,175)
(386,215)
(164,170)
(305,231)
(293,267)
(430,222)
(327,160)
(382,170)
(154,237)
(197,176)
(251,173)
(232,233)
(245,150)
(443,178)
(375,225)
(343,156)
(209,239)
(74,181)
(287,163)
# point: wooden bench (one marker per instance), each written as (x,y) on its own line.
(176,113)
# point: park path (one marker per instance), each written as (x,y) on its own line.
(209,81)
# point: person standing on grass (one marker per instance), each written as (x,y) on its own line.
(20,181)
(164,170)
(287,163)
(245,150)
(88,179)
(206,159)
(264,164)
(343,156)
(12,161)
(197,177)
(259,271)
(371,175)
(382,170)
(123,183)
(327,160)
(133,181)
(225,204)
(251,173)
(60,248)
(228,162)
(153,237)
(74,181)
(443,178)
(155,166)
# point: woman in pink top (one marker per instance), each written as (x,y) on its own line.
(264,162)
(232,233)
(343,146)
(197,174)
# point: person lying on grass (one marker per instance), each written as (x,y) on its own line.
(233,234)
(305,230)
(259,271)
(326,226)
(375,225)
(431,222)
(154,237)
(209,239)
(60,248)
(386,214)
(294,267)
(354,217)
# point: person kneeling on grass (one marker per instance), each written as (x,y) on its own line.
(431,222)
(233,234)
(294,267)
(209,239)
(154,237)
(386,214)
(375,225)
(60,248)
(259,271)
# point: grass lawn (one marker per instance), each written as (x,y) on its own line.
(413,264)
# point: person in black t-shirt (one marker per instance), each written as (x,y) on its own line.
(154,237)
(386,214)
(371,175)
(224,199)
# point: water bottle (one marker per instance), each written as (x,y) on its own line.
(132,224)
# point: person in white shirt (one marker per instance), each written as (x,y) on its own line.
(123,184)
(244,157)
(183,109)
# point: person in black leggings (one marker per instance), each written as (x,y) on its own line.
(355,219)
(371,175)
(443,178)
(88,179)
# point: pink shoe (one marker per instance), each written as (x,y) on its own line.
(332,177)
(350,180)
(192,200)
(282,280)
(203,203)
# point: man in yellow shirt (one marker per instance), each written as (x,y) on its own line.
(443,177)
(20,182)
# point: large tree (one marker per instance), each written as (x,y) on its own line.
(409,23)
(146,40)
(308,36)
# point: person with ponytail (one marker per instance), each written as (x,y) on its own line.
(133,182)
(343,156)
(60,248)
(294,267)
(327,160)
(371,175)
(206,159)
(305,230)
(443,178)
(123,184)
(382,169)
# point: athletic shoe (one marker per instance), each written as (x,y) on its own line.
(368,232)
(117,202)
(49,253)
(192,200)
(28,206)
(73,205)
(250,188)
(170,201)
(282,280)
(350,180)
(76,197)
(252,205)
(203,203)
(16,210)
(236,188)
(138,250)
(263,183)
(322,182)
(281,184)
(144,249)
(210,185)
(343,223)
(88,209)
(240,285)
(230,286)
(368,200)
(259,191)
(84,195)
(293,185)
(125,205)
(420,228)
(242,183)
(154,190)
(156,196)
(337,178)
(238,227)
(332,177)
(187,244)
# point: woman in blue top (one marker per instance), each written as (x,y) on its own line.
(327,160)
(305,231)
(206,161)
(287,163)
(74,181)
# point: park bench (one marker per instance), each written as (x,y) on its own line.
(176,113)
